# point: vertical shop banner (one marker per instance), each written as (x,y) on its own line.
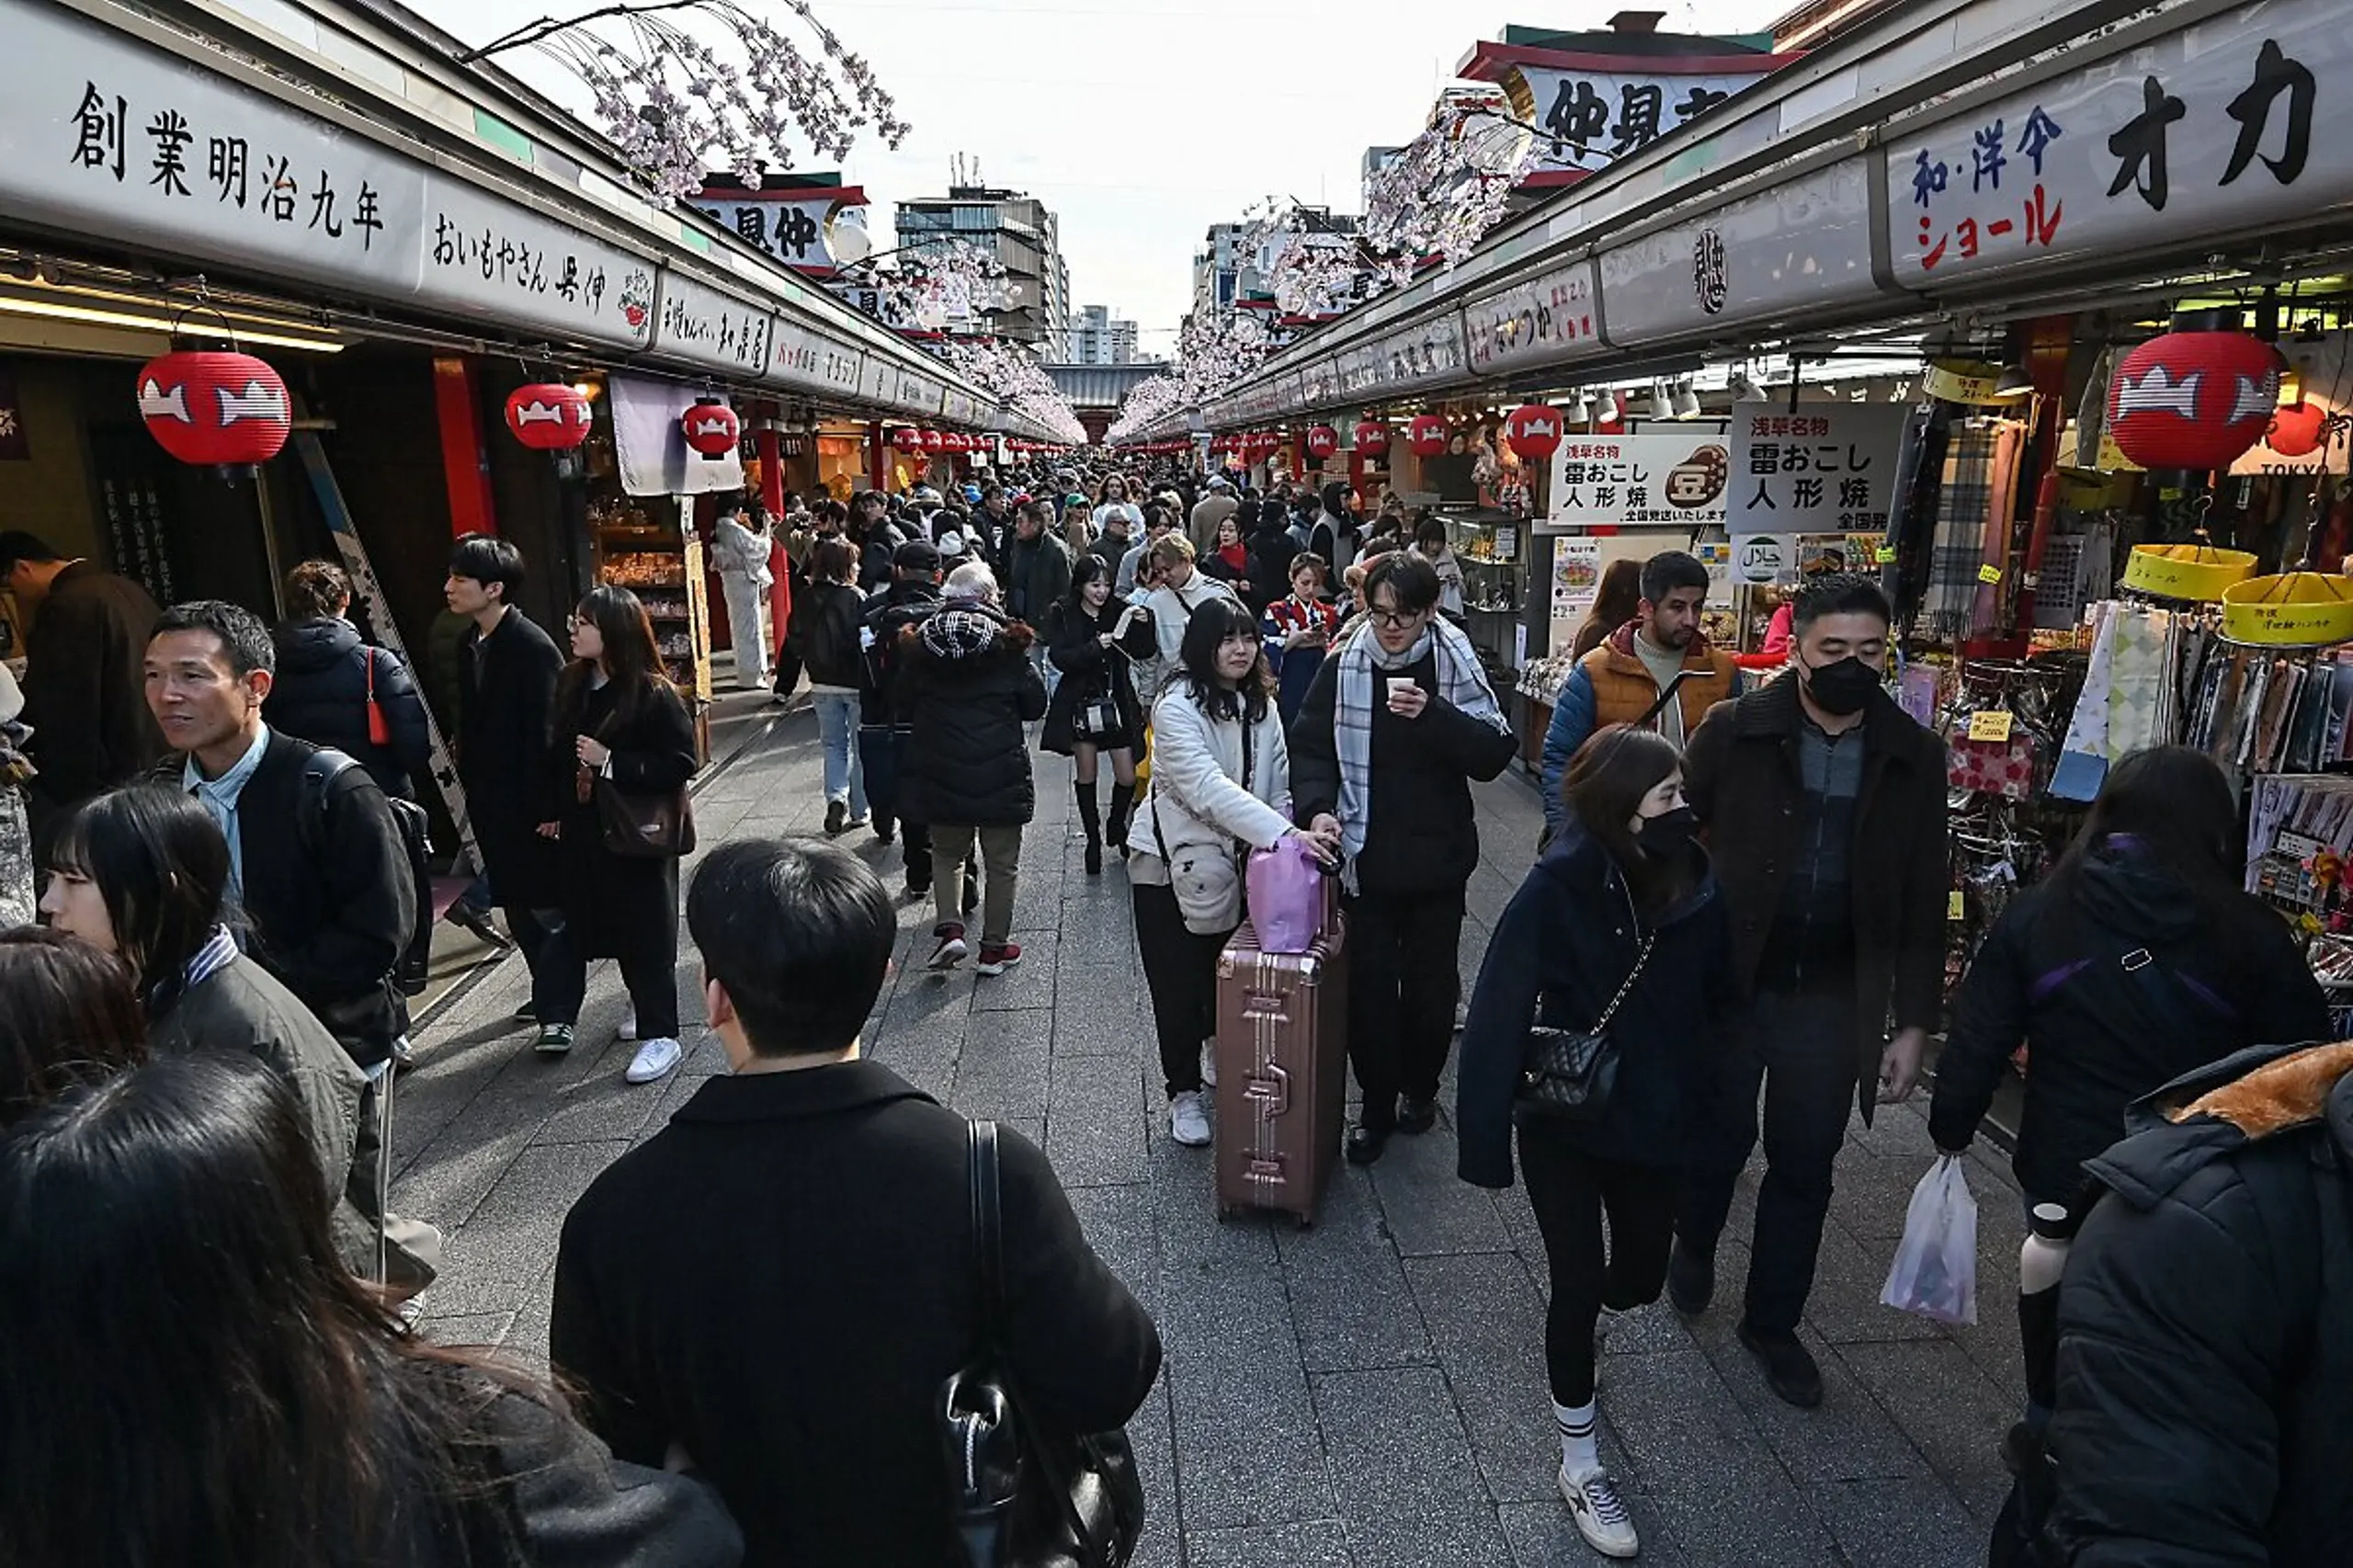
(1677,479)
(1576,576)
(1829,468)
(2238,120)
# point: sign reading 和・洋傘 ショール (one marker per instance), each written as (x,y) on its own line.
(1826,468)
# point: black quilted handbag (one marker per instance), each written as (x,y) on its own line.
(1023,1498)
(1568,1075)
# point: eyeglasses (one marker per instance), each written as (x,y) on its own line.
(1394,619)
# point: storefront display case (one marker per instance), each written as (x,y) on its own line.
(643,545)
(1492,549)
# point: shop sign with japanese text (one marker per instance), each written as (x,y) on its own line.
(800,358)
(2233,121)
(1804,245)
(502,262)
(792,228)
(701,324)
(1591,118)
(1658,479)
(919,396)
(1546,320)
(1829,468)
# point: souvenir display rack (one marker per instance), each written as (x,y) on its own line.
(643,545)
(1490,546)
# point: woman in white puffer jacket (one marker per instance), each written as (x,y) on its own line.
(1221,785)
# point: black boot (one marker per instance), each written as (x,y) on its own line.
(1088,807)
(1115,832)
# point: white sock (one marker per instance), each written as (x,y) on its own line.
(1580,1450)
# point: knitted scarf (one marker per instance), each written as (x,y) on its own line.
(1461,683)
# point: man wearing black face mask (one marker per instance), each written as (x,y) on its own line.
(1824,805)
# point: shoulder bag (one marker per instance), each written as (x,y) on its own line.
(379,728)
(1570,1076)
(1207,878)
(641,827)
(1024,1499)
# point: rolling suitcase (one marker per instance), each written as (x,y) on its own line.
(1282,1061)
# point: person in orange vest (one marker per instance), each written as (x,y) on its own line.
(1656,672)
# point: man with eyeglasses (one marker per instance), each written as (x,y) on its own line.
(1395,726)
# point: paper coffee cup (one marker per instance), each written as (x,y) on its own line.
(1400,683)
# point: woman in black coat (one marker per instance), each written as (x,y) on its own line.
(966,682)
(619,721)
(326,678)
(1081,639)
(1622,891)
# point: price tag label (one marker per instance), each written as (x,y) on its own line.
(1956,908)
(1989,574)
(1991,724)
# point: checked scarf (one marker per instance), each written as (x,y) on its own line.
(1461,683)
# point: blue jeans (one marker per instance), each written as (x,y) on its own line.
(837,727)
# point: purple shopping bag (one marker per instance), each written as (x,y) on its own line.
(1287,897)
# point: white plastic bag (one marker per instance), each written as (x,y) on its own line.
(1936,1263)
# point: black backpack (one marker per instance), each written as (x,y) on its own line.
(320,770)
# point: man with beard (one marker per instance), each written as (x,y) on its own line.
(1655,672)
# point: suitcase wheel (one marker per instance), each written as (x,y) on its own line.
(1227,1211)
(1303,1221)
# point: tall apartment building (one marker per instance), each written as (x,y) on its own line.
(1097,339)
(1026,239)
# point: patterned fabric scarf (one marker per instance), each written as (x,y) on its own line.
(1460,682)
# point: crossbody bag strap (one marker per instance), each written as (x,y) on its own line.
(988,1237)
(1642,960)
(1666,695)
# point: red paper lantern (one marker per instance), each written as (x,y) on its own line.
(1533,430)
(933,441)
(1322,442)
(907,439)
(2299,431)
(548,416)
(212,407)
(1372,435)
(710,428)
(1426,435)
(2193,400)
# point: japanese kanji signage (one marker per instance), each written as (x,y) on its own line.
(802,359)
(1594,118)
(1829,468)
(494,259)
(701,324)
(786,226)
(1671,479)
(1545,320)
(2242,119)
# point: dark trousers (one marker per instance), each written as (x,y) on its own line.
(1404,977)
(561,982)
(1180,971)
(1569,1189)
(1802,1047)
(531,929)
(878,759)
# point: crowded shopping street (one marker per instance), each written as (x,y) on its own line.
(1614,825)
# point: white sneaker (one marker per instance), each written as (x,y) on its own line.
(1601,1517)
(1208,1065)
(1188,1119)
(629,1024)
(656,1059)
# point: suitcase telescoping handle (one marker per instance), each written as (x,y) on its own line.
(1268,1092)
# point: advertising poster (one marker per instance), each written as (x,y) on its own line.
(1827,468)
(1678,479)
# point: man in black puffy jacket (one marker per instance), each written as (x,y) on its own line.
(328,679)
(883,723)
(2205,1415)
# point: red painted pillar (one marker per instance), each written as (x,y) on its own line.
(878,458)
(465,468)
(765,445)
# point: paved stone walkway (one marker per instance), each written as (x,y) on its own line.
(1367,1393)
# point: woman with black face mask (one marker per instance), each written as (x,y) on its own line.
(1618,931)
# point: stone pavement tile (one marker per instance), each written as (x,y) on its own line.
(470,1328)
(1030,983)
(1095,1118)
(1681,1428)
(1850,1438)
(1848,1275)
(1401,1465)
(1312,1543)
(513,1234)
(1953,1412)
(1151,1432)
(1541,1535)
(1100,1017)
(1249,1450)
(1193,1239)
(1747,1524)
(1488,1326)
(527,1337)
(448,1179)
(1120,1225)
(1349,1295)
(1873,1193)
(604,1108)
(1899,1524)
(1003,1068)
(1428,1210)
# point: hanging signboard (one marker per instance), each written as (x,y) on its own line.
(504,263)
(706,327)
(2229,124)
(1829,468)
(800,358)
(794,227)
(1672,479)
(1761,558)
(1796,250)
(1547,320)
(1594,118)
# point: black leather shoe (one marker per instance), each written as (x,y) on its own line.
(1790,1369)
(1366,1144)
(1415,1116)
(1690,1278)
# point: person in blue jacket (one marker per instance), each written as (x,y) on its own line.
(1622,905)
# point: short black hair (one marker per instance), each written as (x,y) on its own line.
(1670,570)
(17,545)
(488,559)
(244,638)
(1335,498)
(1429,531)
(1039,512)
(799,932)
(1411,580)
(1842,592)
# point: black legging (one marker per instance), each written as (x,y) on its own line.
(1569,1188)
(1180,970)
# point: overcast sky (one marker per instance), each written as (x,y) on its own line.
(1140,122)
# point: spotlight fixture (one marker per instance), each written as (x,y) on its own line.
(1662,403)
(1687,402)
(2014,383)
(1607,409)
(1744,389)
(1581,411)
